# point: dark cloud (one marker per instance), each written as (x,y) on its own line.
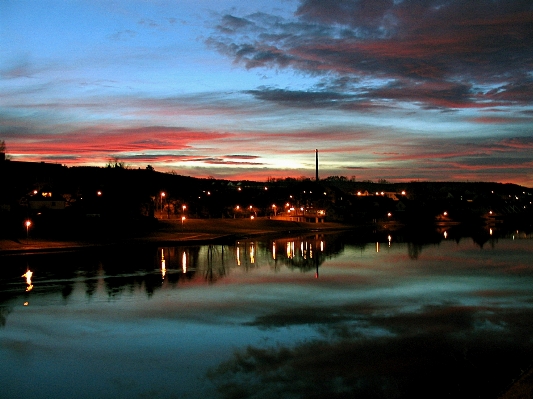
(222,161)
(305,99)
(18,69)
(123,35)
(237,156)
(435,52)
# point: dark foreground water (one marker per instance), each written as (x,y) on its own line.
(303,317)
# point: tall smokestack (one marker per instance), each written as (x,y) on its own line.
(316,156)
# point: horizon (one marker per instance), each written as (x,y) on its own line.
(439,90)
(271,179)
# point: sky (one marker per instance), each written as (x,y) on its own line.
(402,90)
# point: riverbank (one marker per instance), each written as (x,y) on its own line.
(193,231)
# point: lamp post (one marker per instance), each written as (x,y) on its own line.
(27,223)
(162,196)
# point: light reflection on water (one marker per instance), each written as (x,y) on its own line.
(315,316)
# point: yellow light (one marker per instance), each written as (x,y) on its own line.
(389,214)
(28,275)
(27,223)
(403,192)
(359,193)
(252,217)
(163,265)
(445,213)
(98,193)
(445,235)
(184,263)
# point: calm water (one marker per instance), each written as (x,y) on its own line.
(312,317)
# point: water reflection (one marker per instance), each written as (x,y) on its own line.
(130,270)
(27,276)
(163,264)
(390,309)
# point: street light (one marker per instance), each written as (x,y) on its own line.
(162,196)
(27,223)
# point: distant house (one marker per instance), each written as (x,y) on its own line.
(45,200)
(308,215)
(395,196)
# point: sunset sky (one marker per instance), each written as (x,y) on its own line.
(384,89)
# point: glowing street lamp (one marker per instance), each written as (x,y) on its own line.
(275,209)
(162,196)
(182,220)
(27,223)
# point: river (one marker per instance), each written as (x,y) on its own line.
(383,315)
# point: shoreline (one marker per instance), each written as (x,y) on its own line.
(173,232)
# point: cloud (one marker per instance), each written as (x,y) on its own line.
(431,52)
(105,140)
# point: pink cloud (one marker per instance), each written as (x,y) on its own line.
(106,140)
